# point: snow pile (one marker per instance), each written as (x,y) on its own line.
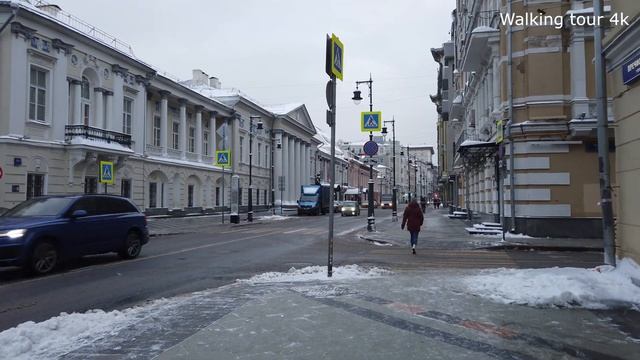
(603,287)
(508,235)
(61,334)
(273,218)
(318,273)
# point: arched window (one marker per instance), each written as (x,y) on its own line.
(86,101)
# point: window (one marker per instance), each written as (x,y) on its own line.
(156,130)
(126,115)
(90,185)
(35,185)
(37,94)
(176,136)
(205,142)
(192,139)
(257,196)
(217,196)
(86,101)
(241,149)
(266,155)
(265,197)
(87,204)
(125,188)
(153,194)
(259,154)
(190,196)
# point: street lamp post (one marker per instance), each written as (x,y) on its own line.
(251,132)
(394,200)
(371,220)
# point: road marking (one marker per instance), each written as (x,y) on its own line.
(295,231)
(343,233)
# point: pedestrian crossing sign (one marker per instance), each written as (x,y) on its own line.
(371,121)
(223,158)
(106,172)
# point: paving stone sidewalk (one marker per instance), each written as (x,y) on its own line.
(439,231)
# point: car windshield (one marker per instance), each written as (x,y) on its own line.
(387,197)
(309,198)
(349,204)
(39,207)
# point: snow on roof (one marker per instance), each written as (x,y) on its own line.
(474,143)
(586,11)
(283,109)
(325,145)
(483,29)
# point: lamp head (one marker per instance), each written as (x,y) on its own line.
(357,98)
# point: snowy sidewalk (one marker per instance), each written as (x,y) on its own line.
(440,232)
(360,313)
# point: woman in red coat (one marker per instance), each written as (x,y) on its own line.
(413,219)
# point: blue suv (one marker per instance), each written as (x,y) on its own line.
(42,232)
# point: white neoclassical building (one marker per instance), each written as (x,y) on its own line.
(72,96)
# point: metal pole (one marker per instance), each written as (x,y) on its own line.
(512,178)
(332,114)
(394,212)
(223,194)
(250,207)
(371,220)
(603,140)
(408,175)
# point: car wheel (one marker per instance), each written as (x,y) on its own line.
(132,246)
(44,258)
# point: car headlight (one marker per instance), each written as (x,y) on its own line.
(14,234)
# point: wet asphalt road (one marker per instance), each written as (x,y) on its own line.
(213,255)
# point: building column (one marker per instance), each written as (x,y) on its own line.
(98,115)
(298,162)
(579,76)
(109,123)
(292,167)
(212,135)
(305,162)
(277,166)
(76,118)
(199,132)
(285,167)
(182,137)
(164,120)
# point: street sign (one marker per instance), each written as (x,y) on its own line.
(223,157)
(370,148)
(371,121)
(631,70)
(106,172)
(335,60)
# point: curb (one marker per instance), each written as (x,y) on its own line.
(527,247)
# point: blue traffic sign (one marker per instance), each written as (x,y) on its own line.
(371,121)
(370,148)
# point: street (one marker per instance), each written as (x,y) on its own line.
(215,255)
(196,272)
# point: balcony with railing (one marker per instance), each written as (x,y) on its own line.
(97,135)
(482,27)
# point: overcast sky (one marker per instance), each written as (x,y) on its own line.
(274,50)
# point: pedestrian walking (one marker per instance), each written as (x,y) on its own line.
(413,219)
(423,204)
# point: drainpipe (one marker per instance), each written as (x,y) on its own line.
(512,189)
(608,233)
